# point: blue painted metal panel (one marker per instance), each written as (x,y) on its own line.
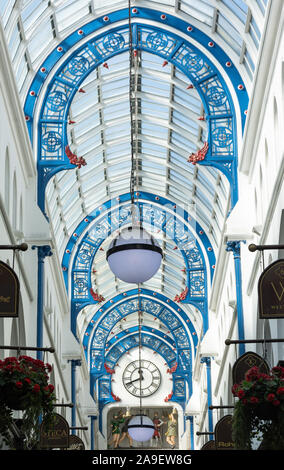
(95,232)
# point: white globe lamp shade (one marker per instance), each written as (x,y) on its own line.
(134,256)
(141,428)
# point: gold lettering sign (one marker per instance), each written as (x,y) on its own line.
(271,291)
(75,443)
(223,433)
(56,434)
(9,291)
(209,445)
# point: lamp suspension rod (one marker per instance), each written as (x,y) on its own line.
(28,348)
(199,433)
(131,104)
(241,341)
(140,345)
(252,247)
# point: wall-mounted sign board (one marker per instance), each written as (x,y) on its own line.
(271,291)
(55,435)
(9,291)
(245,362)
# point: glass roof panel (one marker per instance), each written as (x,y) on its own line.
(239,8)
(202,10)
(42,24)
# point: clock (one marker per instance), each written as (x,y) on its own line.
(150,378)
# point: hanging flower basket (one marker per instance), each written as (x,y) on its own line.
(24,385)
(266,411)
(14,397)
(259,412)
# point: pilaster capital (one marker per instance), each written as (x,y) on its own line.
(75,362)
(43,251)
(235,247)
(205,360)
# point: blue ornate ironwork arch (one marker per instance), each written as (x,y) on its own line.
(97,337)
(182,383)
(161,214)
(159,346)
(194,63)
(174,346)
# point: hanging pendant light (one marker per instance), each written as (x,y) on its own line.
(134,256)
(141,428)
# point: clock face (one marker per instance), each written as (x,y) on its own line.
(150,378)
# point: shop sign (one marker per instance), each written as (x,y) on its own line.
(209,445)
(271,291)
(223,434)
(75,443)
(245,362)
(56,434)
(9,291)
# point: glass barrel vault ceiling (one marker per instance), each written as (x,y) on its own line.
(167,118)
(168,130)
(34,27)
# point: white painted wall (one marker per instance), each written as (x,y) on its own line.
(255,219)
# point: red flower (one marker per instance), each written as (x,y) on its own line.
(10,359)
(25,358)
(277,369)
(270,397)
(280,391)
(26,379)
(244,401)
(276,402)
(51,388)
(235,389)
(252,374)
(49,367)
(241,393)
(36,388)
(254,400)
(19,384)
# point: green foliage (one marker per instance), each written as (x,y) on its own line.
(24,385)
(259,413)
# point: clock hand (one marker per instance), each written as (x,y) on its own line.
(131,382)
